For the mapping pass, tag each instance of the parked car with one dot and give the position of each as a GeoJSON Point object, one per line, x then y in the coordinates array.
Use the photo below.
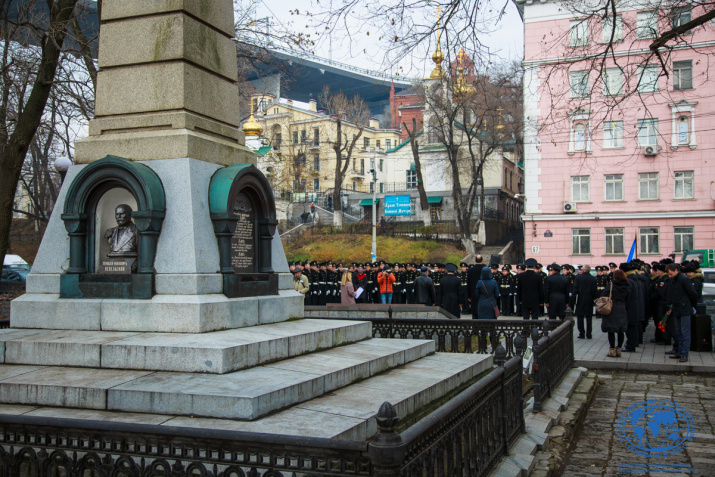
{"type": "Point", "coordinates": [708, 281]}
{"type": "Point", "coordinates": [16, 264]}
{"type": "Point", "coordinates": [11, 280]}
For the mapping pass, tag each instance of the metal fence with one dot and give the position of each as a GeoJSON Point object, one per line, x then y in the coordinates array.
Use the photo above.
{"type": "Point", "coordinates": [460, 336]}
{"type": "Point", "coordinates": [553, 357]}
{"type": "Point", "coordinates": [471, 431]}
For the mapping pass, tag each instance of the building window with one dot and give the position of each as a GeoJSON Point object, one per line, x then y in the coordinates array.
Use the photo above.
{"type": "Point", "coordinates": [382, 188]}
{"type": "Point", "coordinates": [354, 186]}
{"type": "Point", "coordinates": [275, 110]}
{"type": "Point", "coordinates": [615, 237]}
{"type": "Point", "coordinates": [366, 142]}
{"type": "Point", "coordinates": [581, 241]}
{"type": "Point", "coordinates": [277, 139]}
{"type": "Point", "coordinates": [647, 132]}
{"type": "Point", "coordinates": [608, 27]}
{"type": "Point", "coordinates": [579, 137]}
{"type": "Point", "coordinates": [435, 212]}
{"type": "Point", "coordinates": [316, 137]}
{"type": "Point", "coordinates": [683, 135]}
{"type": "Point", "coordinates": [388, 144]}
{"type": "Point", "coordinates": [683, 74]}
{"type": "Point", "coordinates": [411, 179]}
{"type": "Point", "coordinates": [578, 81]}
{"type": "Point", "coordinates": [648, 186]}
{"type": "Point", "coordinates": [648, 79]}
{"type": "Point", "coordinates": [684, 185]}
{"type": "Point", "coordinates": [649, 243]}
{"type": "Point", "coordinates": [612, 82]}
{"type": "Point", "coordinates": [681, 16]}
{"type": "Point", "coordinates": [682, 239]}
{"type": "Point", "coordinates": [298, 185]}
{"type": "Point", "coordinates": [646, 25]}
{"type": "Point", "coordinates": [580, 188]}
{"type": "Point", "coordinates": [377, 144]}
{"type": "Point", "coordinates": [614, 186]}
{"type": "Point", "coordinates": [316, 184]}
{"type": "Point", "coordinates": [381, 164]}
{"type": "Point", "coordinates": [295, 137]}
{"type": "Point", "coordinates": [303, 137]}
{"type": "Point", "coordinates": [362, 167]}
{"type": "Point", "coordinates": [372, 186]}
{"type": "Point", "coordinates": [316, 162]}
{"type": "Point", "coordinates": [578, 32]}
{"type": "Point", "coordinates": [262, 105]}
{"type": "Point", "coordinates": [613, 134]}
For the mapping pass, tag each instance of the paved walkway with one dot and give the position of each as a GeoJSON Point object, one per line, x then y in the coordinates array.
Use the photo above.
{"type": "Point", "coordinates": [598, 450]}
{"type": "Point", "coordinates": [592, 353]}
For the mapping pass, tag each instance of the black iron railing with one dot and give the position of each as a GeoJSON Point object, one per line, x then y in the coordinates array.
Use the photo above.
{"type": "Point", "coordinates": [553, 357]}
{"type": "Point", "coordinates": [458, 336]}
{"type": "Point", "coordinates": [472, 431]}
{"type": "Point", "coordinates": [466, 436]}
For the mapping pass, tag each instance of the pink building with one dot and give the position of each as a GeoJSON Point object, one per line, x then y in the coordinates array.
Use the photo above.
{"type": "Point", "coordinates": [614, 149]}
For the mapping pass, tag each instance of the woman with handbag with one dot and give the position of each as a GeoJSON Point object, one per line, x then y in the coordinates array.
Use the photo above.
{"type": "Point", "coordinates": [487, 295]}
{"type": "Point", "coordinates": [616, 322]}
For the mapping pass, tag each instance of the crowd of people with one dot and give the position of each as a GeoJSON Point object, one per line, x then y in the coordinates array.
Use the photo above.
{"type": "Point", "coordinates": [664, 292]}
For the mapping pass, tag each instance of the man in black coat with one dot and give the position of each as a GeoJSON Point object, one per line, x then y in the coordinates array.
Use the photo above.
{"type": "Point", "coordinates": [582, 295]}
{"type": "Point", "coordinates": [530, 292]}
{"type": "Point", "coordinates": [680, 300]}
{"type": "Point", "coordinates": [424, 289]}
{"type": "Point", "coordinates": [449, 284]}
{"type": "Point", "coordinates": [474, 274]}
{"type": "Point", "coordinates": [556, 292]}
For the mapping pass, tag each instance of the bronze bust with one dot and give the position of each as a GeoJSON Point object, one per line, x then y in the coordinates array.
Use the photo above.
{"type": "Point", "coordinates": [122, 238]}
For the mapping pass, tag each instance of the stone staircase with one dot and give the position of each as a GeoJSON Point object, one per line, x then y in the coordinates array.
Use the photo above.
{"type": "Point", "coordinates": [262, 375]}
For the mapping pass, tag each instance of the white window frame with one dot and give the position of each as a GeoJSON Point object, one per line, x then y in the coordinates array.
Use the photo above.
{"type": "Point", "coordinates": [579, 137]}
{"type": "Point", "coordinates": [648, 79]}
{"type": "Point", "coordinates": [579, 84]}
{"type": "Point", "coordinates": [646, 24]}
{"type": "Point", "coordinates": [607, 29]}
{"type": "Point", "coordinates": [614, 235]}
{"type": "Point", "coordinates": [681, 16]}
{"type": "Point", "coordinates": [683, 180]}
{"type": "Point", "coordinates": [613, 135]}
{"type": "Point", "coordinates": [578, 247]}
{"type": "Point", "coordinates": [579, 184]}
{"type": "Point", "coordinates": [578, 33]}
{"type": "Point", "coordinates": [679, 233]}
{"type": "Point", "coordinates": [649, 240]}
{"type": "Point", "coordinates": [647, 132]}
{"type": "Point", "coordinates": [411, 179]}
{"type": "Point", "coordinates": [612, 82]}
{"type": "Point", "coordinates": [615, 181]}
{"type": "Point", "coordinates": [682, 107]}
{"type": "Point", "coordinates": [652, 181]}
{"type": "Point", "coordinates": [579, 116]}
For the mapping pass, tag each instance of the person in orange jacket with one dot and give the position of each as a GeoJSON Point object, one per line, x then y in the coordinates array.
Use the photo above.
{"type": "Point", "coordinates": [386, 278]}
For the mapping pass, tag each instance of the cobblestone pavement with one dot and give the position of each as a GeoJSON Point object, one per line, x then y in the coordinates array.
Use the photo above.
{"type": "Point", "coordinates": [598, 451]}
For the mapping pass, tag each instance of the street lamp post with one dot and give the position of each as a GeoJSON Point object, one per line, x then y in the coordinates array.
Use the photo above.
{"type": "Point", "coordinates": [62, 165]}
{"type": "Point", "coordinates": [374, 214]}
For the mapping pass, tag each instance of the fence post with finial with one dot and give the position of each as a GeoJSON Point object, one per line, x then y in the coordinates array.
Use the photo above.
{"type": "Point", "coordinates": [535, 367]}
{"type": "Point", "coordinates": [519, 345]}
{"type": "Point", "coordinates": [500, 356]}
{"type": "Point", "coordinates": [387, 449]}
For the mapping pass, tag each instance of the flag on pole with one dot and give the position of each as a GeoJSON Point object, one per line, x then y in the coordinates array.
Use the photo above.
{"type": "Point", "coordinates": [632, 254]}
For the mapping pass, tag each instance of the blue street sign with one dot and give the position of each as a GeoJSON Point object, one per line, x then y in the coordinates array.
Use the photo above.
{"type": "Point", "coordinates": [397, 205]}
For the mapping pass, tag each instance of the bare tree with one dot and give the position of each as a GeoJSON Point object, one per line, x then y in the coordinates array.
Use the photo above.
{"type": "Point", "coordinates": [348, 115]}
{"type": "Point", "coordinates": [414, 144]}
{"type": "Point", "coordinates": [21, 109]}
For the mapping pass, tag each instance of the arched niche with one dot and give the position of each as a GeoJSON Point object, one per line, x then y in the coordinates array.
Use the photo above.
{"type": "Point", "coordinates": [94, 189]}
{"type": "Point", "coordinates": [243, 212]}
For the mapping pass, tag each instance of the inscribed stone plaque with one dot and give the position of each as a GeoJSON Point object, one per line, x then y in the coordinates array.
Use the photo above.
{"type": "Point", "coordinates": [121, 266]}
{"type": "Point", "coordinates": [243, 242]}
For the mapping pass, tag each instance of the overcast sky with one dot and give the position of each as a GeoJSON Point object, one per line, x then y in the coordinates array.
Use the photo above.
{"type": "Point", "coordinates": [364, 52]}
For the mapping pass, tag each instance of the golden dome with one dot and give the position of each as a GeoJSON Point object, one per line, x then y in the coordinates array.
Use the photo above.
{"type": "Point", "coordinates": [251, 127]}
{"type": "Point", "coordinates": [438, 72]}
{"type": "Point", "coordinates": [462, 88]}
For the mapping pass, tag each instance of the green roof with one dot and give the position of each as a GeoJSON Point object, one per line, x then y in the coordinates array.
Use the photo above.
{"type": "Point", "coordinates": [434, 200]}
{"type": "Point", "coordinates": [369, 202]}
{"type": "Point", "coordinates": [262, 151]}
{"type": "Point", "coordinates": [399, 146]}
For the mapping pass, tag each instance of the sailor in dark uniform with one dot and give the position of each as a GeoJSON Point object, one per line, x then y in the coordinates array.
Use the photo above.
{"type": "Point", "coordinates": [464, 289]}
{"type": "Point", "coordinates": [556, 292]}
{"type": "Point", "coordinates": [449, 284]}
{"type": "Point", "coordinates": [519, 269]}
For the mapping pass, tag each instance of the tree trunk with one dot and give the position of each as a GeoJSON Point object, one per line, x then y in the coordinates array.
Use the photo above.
{"type": "Point", "coordinates": [13, 153]}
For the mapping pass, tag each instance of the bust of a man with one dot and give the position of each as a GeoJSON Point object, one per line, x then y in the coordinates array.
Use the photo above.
{"type": "Point", "coordinates": [122, 239]}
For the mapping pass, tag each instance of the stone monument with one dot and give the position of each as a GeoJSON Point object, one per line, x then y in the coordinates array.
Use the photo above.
{"type": "Point", "coordinates": [197, 331]}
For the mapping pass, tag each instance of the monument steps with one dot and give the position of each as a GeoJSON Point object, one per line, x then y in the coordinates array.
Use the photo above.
{"type": "Point", "coordinates": [346, 413]}
{"type": "Point", "coordinates": [245, 394]}
{"type": "Point", "coordinates": [217, 352]}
